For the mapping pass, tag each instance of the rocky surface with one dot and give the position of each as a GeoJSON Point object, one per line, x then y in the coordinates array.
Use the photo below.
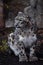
{"type": "Point", "coordinates": [16, 6]}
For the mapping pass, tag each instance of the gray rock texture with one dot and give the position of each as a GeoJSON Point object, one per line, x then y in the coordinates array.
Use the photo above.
{"type": "Point", "coordinates": [33, 9]}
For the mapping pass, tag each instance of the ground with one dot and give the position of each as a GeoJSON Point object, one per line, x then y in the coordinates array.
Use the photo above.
{"type": "Point", "coordinates": [6, 59]}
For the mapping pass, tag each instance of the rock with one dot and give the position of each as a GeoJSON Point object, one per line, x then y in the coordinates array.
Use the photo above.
{"type": "Point", "coordinates": [9, 23]}
{"type": "Point", "coordinates": [33, 3]}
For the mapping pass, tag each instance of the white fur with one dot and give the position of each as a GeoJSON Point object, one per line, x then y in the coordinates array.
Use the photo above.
{"type": "Point", "coordinates": [21, 39]}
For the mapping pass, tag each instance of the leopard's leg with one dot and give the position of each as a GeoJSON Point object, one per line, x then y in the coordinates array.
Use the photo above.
{"type": "Point", "coordinates": [32, 56]}
{"type": "Point", "coordinates": [22, 54]}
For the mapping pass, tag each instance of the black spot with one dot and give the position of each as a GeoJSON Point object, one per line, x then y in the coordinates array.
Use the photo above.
{"type": "Point", "coordinates": [21, 53]}
{"type": "Point", "coordinates": [12, 42]}
{"type": "Point", "coordinates": [20, 44]}
{"type": "Point", "coordinates": [31, 28]}
{"type": "Point", "coordinates": [33, 35]}
{"type": "Point", "coordinates": [17, 49]}
{"type": "Point", "coordinates": [12, 36]}
{"type": "Point", "coordinates": [22, 47]}
{"type": "Point", "coordinates": [9, 40]}
{"type": "Point", "coordinates": [20, 20]}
